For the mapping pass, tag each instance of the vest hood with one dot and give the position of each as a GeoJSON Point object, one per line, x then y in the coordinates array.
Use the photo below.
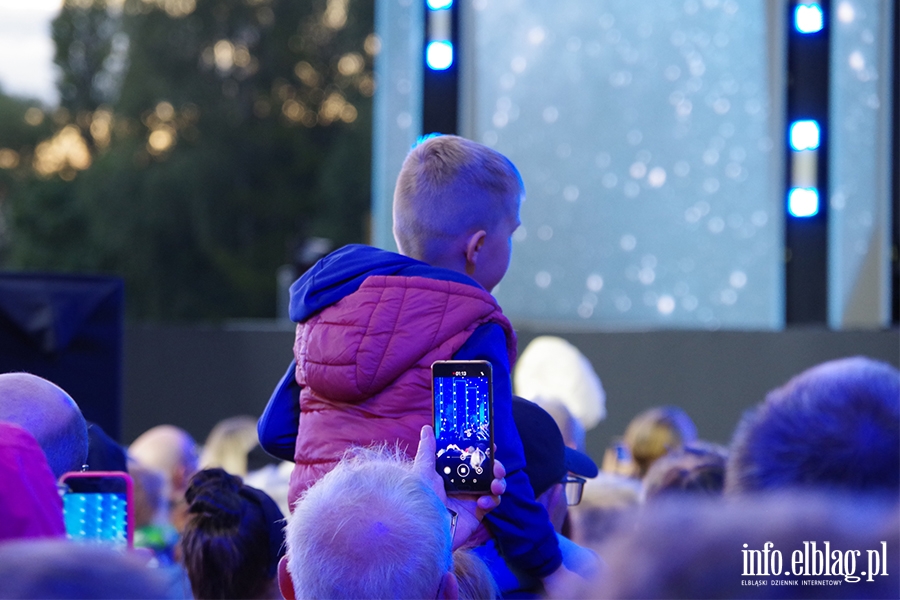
{"type": "Point", "coordinates": [343, 271]}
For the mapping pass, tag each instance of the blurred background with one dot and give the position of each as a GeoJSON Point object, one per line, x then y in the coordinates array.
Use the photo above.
{"type": "Point", "coordinates": [186, 147]}
{"type": "Point", "coordinates": [711, 185]}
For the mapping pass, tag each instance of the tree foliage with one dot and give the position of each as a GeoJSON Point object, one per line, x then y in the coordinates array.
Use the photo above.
{"type": "Point", "coordinates": [215, 135]}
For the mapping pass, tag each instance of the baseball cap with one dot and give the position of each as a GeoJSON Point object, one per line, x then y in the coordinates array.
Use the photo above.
{"type": "Point", "coordinates": [547, 458]}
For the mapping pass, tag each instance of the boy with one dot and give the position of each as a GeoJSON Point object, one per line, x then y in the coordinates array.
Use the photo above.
{"type": "Point", "coordinates": [371, 322]}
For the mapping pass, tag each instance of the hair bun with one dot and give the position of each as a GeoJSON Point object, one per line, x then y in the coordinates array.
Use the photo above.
{"type": "Point", "coordinates": [214, 496]}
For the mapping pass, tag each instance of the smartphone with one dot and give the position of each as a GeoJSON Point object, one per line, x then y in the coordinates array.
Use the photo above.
{"type": "Point", "coordinates": [464, 424]}
{"type": "Point", "coordinates": [617, 459]}
{"type": "Point", "coordinates": [98, 506]}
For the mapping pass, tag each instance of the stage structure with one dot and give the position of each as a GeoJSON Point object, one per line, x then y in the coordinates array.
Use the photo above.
{"type": "Point", "coordinates": [69, 330]}
{"type": "Point", "coordinates": [665, 149]}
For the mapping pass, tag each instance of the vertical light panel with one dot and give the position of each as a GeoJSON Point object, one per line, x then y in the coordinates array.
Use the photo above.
{"type": "Point", "coordinates": [397, 104]}
{"type": "Point", "coordinates": [809, 17]}
{"type": "Point", "coordinates": [439, 51]}
{"type": "Point", "coordinates": [860, 163]}
{"type": "Point", "coordinates": [806, 223]}
{"type": "Point", "coordinates": [803, 197]}
{"type": "Point", "coordinates": [650, 139]}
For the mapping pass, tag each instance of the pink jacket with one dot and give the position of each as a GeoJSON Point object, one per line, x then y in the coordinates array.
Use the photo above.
{"type": "Point", "coordinates": [365, 365]}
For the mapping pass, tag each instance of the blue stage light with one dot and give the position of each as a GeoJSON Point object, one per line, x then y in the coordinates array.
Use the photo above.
{"type": "Point", "coordinates": [439, 4]}
{"type": "Point", "coordinates": [805, 135]}
{"type": "Point", "coordinates": [809, 18]}
{"type": "Point", "coordinates": [803, 202]}
{"type": "Point", "coordinates": [439, 55]}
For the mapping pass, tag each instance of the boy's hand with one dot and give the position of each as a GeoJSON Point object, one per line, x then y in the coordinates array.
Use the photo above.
{"type": "Point", "coordinates": [469, 508]}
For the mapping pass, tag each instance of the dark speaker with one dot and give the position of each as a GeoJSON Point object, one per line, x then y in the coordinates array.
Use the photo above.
{"type": "Point", "coordinates": [67, 329]}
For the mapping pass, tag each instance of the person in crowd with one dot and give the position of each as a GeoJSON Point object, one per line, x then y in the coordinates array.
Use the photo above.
{"type": "Point", "coordinates": [836, 425]}
{"type": "Point", "coordinates": [650, 435]}
{"type": "Point", "coordinates": [152, 529]}
{"type": "Point", "coordinates": [572, 430]}
{"type": "Point", "coordinates": [50, 415]}
{"type": "Point", "coordinates": [557, 474]}
{"type": "Point", "coordinates": [556, 375]}
{"type": "Point", "coordinates": [233, 445]}
{"type": "Point", "coordinates": [61, 570]}
{"type": "Point", "coordinates": [371, 323]}
{"type": "Point", "coordinates": [474, 579]}
{"type": "Point", "coordinates": [380, 526]}
{"type": "Point", "coordinates": [171, 451]}
{"type": "Point", "coordinates": [153, 533]}
{"type": "Point", "coordinates": [607, 501]}
{"type": "Point", "coordinates": [30, 506]}
{"type": "Point", "coordinates": [162, 460]}
{"type": "Point", "coordinates": [273, 478]}
{"type": "Point", "coordinates": [795, 545]}
{"type": "Point", "coordinates": [228, 445]}
{"type": "Point", "coordinates": [233, 539]}
{"type": "Point", "coordinates": [104, 453]}
{"type": "Point", "coordinates": [698, 468]}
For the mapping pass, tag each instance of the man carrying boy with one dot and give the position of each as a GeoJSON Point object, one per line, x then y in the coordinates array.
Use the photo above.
{"type": "Point", "coordinates": [371, 323]}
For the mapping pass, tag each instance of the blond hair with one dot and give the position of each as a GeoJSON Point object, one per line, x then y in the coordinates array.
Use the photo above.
{"type": "Point", "coordinates": [473, 577]}
{"type": "Point", "coordinates": [228, 444]}
{"type": "Point", "coordinates": [450, 187]}
{"type": "Point", "coordinates": [656, 432]}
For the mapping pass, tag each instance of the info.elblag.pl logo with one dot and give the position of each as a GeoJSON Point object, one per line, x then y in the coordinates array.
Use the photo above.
{"type": "Point", "coordinates": [813, 561]}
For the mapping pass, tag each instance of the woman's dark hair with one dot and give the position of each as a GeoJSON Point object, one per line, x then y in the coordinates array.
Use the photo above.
{"type": "Point", "coordinates": [233, 538]}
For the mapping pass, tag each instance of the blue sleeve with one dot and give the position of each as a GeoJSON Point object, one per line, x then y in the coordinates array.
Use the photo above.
{"type": "Point", "coordinates": [520, 524]}
{"type": "Point", "coordinates": [277, 427]}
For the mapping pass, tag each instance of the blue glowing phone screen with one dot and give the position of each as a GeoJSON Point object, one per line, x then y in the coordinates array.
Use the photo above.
{"type": "Point", "coordinates": [462, 425]}
{"type": "Point", "coordinates": [96, 517]}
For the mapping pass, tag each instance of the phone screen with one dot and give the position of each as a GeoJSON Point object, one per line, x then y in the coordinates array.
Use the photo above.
{"type": "Point", "coordinates": [463, 424]}
{"type": "Point", "coordinates": [97, 507]}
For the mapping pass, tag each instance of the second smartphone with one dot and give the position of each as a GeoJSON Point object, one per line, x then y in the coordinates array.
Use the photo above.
{"type": "Point", "coordinates": [464, 424]}
{"type": "Point", "coordinates": [98, 506]}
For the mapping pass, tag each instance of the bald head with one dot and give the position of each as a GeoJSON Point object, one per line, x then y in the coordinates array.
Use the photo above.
{"type": "Point", "coordinates": [47, 412]}
{"type": "Point", "coordinates": [172, 452]}
{"type": "Point", "coordinates": [169, 450]}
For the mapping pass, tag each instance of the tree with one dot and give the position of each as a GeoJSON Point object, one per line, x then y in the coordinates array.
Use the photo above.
{"type": "Point", "coordinates": [220, 134]}
{"type": "Point", "coordinates": [23, 125]}
{"type": "Point", "coordinates": [84, 33]}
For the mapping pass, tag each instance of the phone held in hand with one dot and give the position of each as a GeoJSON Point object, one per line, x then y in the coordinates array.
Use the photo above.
{"type": "Point", "coordinates": [98, 506]}
{"type": "Point", "coordinates": [464, 424]}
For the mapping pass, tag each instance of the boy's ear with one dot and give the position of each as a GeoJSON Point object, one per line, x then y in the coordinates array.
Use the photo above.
{"type": "Point", "coordinates": [473, 247]}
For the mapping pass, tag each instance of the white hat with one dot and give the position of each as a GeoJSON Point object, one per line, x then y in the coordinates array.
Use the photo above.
{"type": "Point", "coordinates": [553, 369]}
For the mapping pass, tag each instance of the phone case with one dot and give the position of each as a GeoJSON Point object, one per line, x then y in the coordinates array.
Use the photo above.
{"type": "Point", "coordinates": [99, 506]}
{"type": "Point", "coordinates": [464, 424]}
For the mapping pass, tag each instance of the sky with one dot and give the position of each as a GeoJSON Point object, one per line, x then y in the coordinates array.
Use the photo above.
{"type": "Point", "coordinates": [26, 49]}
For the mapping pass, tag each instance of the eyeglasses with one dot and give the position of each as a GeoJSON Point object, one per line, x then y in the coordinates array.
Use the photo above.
{"type": "Point", "coordinates": [454, 518]}
{"type": "Point", "coordinates": [574, 487]}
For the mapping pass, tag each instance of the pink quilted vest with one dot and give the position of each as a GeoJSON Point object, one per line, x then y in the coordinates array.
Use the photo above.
{"type": "Point", "coordinates": [365, 365]}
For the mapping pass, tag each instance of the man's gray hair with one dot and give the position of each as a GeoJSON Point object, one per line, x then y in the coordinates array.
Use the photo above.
{"type": "Point", "coordinates": [371, 528]}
